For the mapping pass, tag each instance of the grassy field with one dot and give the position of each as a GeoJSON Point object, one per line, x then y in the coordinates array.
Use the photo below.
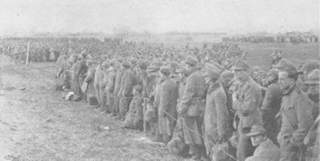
{"type": "Point", "coordinates": [259, 54]}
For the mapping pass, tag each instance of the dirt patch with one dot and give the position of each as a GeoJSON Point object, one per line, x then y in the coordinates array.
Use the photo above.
{"type": "Point", "coordinates": [37, 124]}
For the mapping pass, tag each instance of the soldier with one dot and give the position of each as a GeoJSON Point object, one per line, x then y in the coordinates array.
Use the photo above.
{"type": "Point", "coordinates": [134, 117]}
{"type": "Point", "coordinates": [90, 91]}
{"type": "Point", "coordinates": [306, 68]}
{"type": "Point", "coordinates": [110, 84]}
{"type": "Point", "coordinates": [128, 81]}
{"type": "Point", "coordinates": [119, 72]}
{"type": "Point", "coordinates": [312, 139]}
{"type": "Point", "coordinates": [246, 101]}
{"type": "Point", "coordinates": [296, 115]}
{"type": "Point", "coordinates": [79, 68]}
{"type": "Point", "coordinates": [99, 84]}
{"type": "Point", "coordinates": [150, 116]}
{"type": "Point", "coordinates": [265, 150]}
{"type": "Point", "coordinates": [271, 106]}
{"type": "Point", "coordinates": [177, 144]}
{"type": "Point", "coordinates": [312, 83]}
{"type": "Point", "coordinates": [191, 108]}
{"type": "Point", "coordinates": [167, 113]}
{"type": "Point", "coordinates": [218, 117]}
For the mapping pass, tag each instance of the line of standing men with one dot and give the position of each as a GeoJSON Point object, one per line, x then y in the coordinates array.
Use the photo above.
{"type": "Point", "coordinates": [203, 111]}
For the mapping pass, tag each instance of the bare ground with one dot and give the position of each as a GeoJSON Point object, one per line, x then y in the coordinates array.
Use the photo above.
{"type": "Point", "coordinates": [37, 124]}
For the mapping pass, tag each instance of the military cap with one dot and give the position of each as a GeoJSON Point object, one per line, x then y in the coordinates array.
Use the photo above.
{"type": "Point", "coordinates": [273, 73]}
{"type": "Point", "coordinates": [105, 64]}
{"type": "Point", "coordinates": [191, 61]}
{"type": "Point", "coordinates": [282, 63]}
{"type": "Point", "coordinates": [313, 77]}
{"type": "Point", "coordinates": [143, 65]}
{"type": "Point", "coordinates": [126, 64]}
{"type": "Point", "coordinates": [153, 68]}
{"type": "Point", "coordinates": [165, 70]}
{"type": "Point", "coordinates": [310, 66]}
{"type": "Point", "coordinates": [226, 74]}
{"type": "Point", "coordinates": [182, 70]}
{"type": "Point", "coordinates": [212, 74]}
{"type": "Point", "coordinates": [241, 65]}
{"type": "Point", "coordinates": [138, 88]}
{"type": "Point", "coordinates": [90, 61]}
{"type": "Point", "coordinates": [289, 68]}
{"type": "Point", "coordinates": [256, 130]}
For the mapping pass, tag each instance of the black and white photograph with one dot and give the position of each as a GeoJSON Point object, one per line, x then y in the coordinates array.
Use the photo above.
{"type": "Point", "coordinates": [159, 80]}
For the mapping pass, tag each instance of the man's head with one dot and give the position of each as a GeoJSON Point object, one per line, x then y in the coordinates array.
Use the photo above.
{"type": "Point", "coordinates": [308, 67]}
{"type": "Point", "coordinates": [288, 76]}
{"type": "Point", "coordinates": [241, 71]}
{"type": "Point", "coordinates": [165, 71]}
{"type": "Point", "coordinates": [257, 135]}
{"type": "Point", "coordinates": [226, 79]}
{"type": "Point", "coordinates": [191, 63]}
{"type": "Point", "coordinates": [312, 81]}
{"type": "Point", "coordinates": [272, 76]}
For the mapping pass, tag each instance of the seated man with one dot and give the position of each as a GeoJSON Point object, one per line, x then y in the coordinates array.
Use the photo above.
{"type": "Point", "coordinates": [266, 150]}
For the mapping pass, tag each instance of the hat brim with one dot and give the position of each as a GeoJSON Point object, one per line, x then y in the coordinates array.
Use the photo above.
{"type": "Point", "coordinates": [254, 134]}
{"type": "Point", "coordinates": [311, 82]}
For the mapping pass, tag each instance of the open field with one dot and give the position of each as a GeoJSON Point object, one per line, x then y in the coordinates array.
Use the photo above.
{"type": "Point", "coordinates": [36, 124]}
{"type": "Point", "coordinates": [259, 54]}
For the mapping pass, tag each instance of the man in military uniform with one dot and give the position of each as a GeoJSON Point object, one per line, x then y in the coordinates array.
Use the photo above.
{"type": "Point", "coordinates": [246, 101]}
{"type": "Point", "coordinates": [271, 106]}
{"type": "Point", "coordinates": [191, 108]}
{"type": "Point", "coordinates": [312, 140]}
{"type": "Point", "coordinates": [119, 72]}
{"type": "Point", "coordinates": [128, 81]}
{"type": "Point", "coordinates": [296, 115]}
{"type": "Point", "coordinates": [79, 68]}
{"type": "Point", "coordinates": [265, 150]}
{"type": "Point", "coordinates": [218, 116]}
{"type": "Point", "coordinates": [167, 113]}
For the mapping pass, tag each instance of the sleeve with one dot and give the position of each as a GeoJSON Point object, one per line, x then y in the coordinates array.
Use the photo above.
{"type": "Point", "coordinates": [188, 94]}
{"type": "Point", "coordinates": [130, 81]}
{"type": "Point", "coordinates": [266, 106]}
{"type": "Point", "coordinates": [90, 76]}
{"type": "Point", "coordinates": [222, 115]}
{"type": "Point", "coordinates": [305, 120]}
{"type": "Point", "coordinates": [267, 101]}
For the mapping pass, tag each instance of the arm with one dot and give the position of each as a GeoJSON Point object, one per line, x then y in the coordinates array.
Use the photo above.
{"type": "Point", "coordinates": [223, 116]}
{"type": "Point", "coordinates": [305, 120]}
{"type": "Point", "coordinates": [188, 94]}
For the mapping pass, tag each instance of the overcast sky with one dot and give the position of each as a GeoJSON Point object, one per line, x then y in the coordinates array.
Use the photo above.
{"type": "Point", "coordinates": [237, 16]}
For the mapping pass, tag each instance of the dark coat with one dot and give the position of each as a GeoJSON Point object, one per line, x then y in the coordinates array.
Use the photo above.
{"type": "Point", "coordinates": [270, 107]}
{"type": "Point", "coordinates": [167, 114]}
{"type": "Point", "coordinates": [296, 118]}
{"type": "Point", "coordinates": [217, 118]}
{"type": "Point", "coordinates": [191, 108]}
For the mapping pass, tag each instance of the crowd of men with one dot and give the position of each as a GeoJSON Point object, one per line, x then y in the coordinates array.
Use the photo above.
{"type": "Point", "coordinates": [207, 104]}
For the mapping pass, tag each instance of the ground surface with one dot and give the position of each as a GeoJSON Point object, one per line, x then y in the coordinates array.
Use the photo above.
{"type": "Point", "coordinates": [37, 124]}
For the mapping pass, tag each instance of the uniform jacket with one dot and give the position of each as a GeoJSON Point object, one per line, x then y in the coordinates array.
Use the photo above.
{"type": "Point", "coordinates": [217, 118]}
{"type": "Point", "coordinates": [247, 101]}
{"type": "Point", "coordinates": [168, 95]}
{"type": "Point", "coordinates": [128, 81]}
{"type": "Point", "coordinates": [296, 117]}
{"type": "Point", "coordinates": [192, 103]}
{"type": "Point", "coordinates": [110, 84]}
{"type": "Point", "coordinates": [90, 79]}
